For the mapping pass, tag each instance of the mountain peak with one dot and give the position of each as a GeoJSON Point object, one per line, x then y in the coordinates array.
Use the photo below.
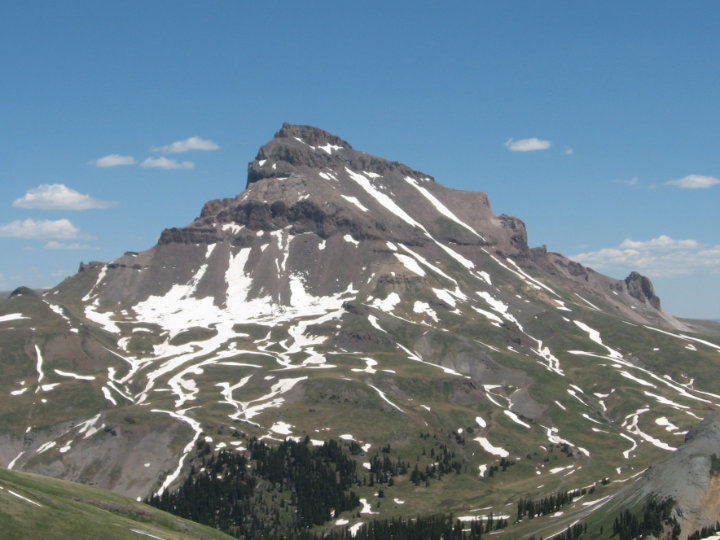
{"type": "Point", "coordinates": [296, 148]}
{"type": "Point", "coordinates": [311, 135]}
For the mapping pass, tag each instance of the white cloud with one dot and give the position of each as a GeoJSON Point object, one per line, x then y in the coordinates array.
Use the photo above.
{"type": "Point", "coordinates": [630, 182]}
{"type": "Point", "coordinates": [569, 151]}
{"type": "Point", "coordinates": [658, 257]}
{"type": "Point", "coordinates": [29, 228]}
{"type": "Point", "coordinates": [165, 163]}
{"type": "Point", "coordinates": [58, 197]}
{"type": "Point", "coordinates": [113, 160]}
{"type": "Point", "coordinates": [191, 143]}
{"type": "Point", "coordinates": [54, 244]}
{"type": "Point", "coordinates": [527, 145]}
{"type": "Point", "coordinates": [661, 243]}
{"type": "Point", "coordinates": [694, 181]}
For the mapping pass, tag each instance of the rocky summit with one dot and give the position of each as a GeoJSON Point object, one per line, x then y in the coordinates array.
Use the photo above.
{"type": "Point", "coordinates": [349, 298]}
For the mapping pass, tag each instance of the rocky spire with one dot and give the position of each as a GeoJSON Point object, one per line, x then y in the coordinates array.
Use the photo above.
{"type": "Point", "coordinates": [641, 287]}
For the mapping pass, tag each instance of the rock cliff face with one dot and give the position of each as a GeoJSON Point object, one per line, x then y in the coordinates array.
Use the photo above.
{"type": "Point", "coordinates": [306, 180]}
{"type": "Point", "coordinates": [690, 476]}
{"type": "Point", "coordinates": [297, 147]}
{"type": "Point", "coordinates": [641, 287]}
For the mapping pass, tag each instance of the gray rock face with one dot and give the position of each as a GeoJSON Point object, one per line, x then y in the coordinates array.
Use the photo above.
{"type": "Point", "coordinates": [686, 477]}
{"type": "Point", "coordinates": [306, 181]}
{"type": "Point", "coordinates": [309, 147]}
{"type": "Point", "coordinates": [189, 235]}
{"type": "Point", "coordinates": [641, 287]}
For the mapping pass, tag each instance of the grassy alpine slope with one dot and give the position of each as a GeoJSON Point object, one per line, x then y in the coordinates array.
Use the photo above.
{"type": "Point", "coordinates": [34, 506]}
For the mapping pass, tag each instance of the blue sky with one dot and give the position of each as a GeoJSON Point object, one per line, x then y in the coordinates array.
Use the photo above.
{"type": "Point", "coordinates": [594, 122]}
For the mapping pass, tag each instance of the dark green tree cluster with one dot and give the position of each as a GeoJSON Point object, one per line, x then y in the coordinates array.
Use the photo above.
{"type": "Point", "coordinates": [302, 485]}
{"type": "Point", "coordinates": [218, 494]}
{"type": "Point", "coordinates": [445, 462]}
{"type": "Point", "coordinates": [502, 466]}
{"type": "Point", "coordinates": [434, 527]}
{"type": "Point", "coordinates": [653, 519]}
{"type": "Point", "coordinates": [318, 477]}
{"type": "Point", "coordinates": [492, 524]}
{"type": "Point", "coordinates": [572, 533]}
{"type": "Point", "coordinates": [383, 469]}
{"type": "Point", "coordinates": [546, 505]}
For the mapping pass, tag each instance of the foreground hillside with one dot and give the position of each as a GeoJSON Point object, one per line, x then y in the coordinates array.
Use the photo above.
{"type": "Point", "coordinates": [345, 297]}
{"type": "Point", "coordinates": [33, 506]}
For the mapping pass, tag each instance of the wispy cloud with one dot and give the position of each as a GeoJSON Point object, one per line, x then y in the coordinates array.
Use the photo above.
{"type": "Point", "coordinates": [629, 182]}
{"type": "Point", "coordinates": [527, 145]}
{"type": "Point", "coordinates": [165, 163]}
{"type": "Point", "coordinates": [661, 243]}
{"type": "Point", "coordinates": [54, 244]}
{"type": "Point", "coordinates": [41, 229]}
{"type": "Point", "coordinates": [659, 257]}
{"type": "Point", "coordinates": [568, 151]}
{"type": "Point", "coordinates": [191, 143]}
{"type": "Point", "coordinates": [113, 160]}
{"type": "Point", "coordinates": [694, 181]}
{"type": "Point", "coordinates": [58, 197]}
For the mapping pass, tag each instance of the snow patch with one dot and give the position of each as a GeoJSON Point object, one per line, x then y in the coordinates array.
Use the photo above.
{"type": "Point", "coordinates": [329, 148]}
{"type": "Point", "coordinates": [354, 201]}
{"type": "Point", "coordinates": [364, 182]}
{"type": "Point", "coordinates": [669, 426]}
{"type": "Point", "coordinates": [234, 228]}
{"type": "Point", "coordinates": [445, 296]}
{"type": "Point", "coordinates": [195, 425]}
{"type": "Point", "coordinates": [594, 335]}
{"type": "Point", "coordinates": [75, 375]}
{"type": "Point", "coordinates": [440, 207]}
{"type": "Point", "coordinates": [282, 428]}
{"type": "Point", "coordinates": [424, 307]}
{"type": "Point", "coordinates": [366, 508]}
{"type": "Point", "coordinates": [374, 323]}
{"type": "Point", "coordinates": [369, 363]}
{"type": "Point", "coordinates": [11, 492]}
{"type": "Point", "coordinates": [410, 263]}
{"type": "Point", "coordinates": [348, 238]}
{"type": "Point", "coordinates": [384, 398]}
{"type": "Point", "coordinates": [514, 417]}
{"type": "Point", "coordinates": [490, 448]}
{"type": "Point", "coordinates": [389, 303]}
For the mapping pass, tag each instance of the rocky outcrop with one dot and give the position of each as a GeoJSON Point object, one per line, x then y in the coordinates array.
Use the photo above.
{"type": "Point", "coordinates": [304, 216]}
{"type": "Point", "coordinates": [92, 265]}
{"type": "Point", "coordinates": [641, 288]}
{"type": "Point", "coordinates": [518, 233]}
{"type": "Point", "coordinates": [690, 477]}
{"type": "Point", "coordinates": [189, 235]}
{"type": "Point", "coordinates": [296, 147]}
{"type": "Point", "coordinates": [23, 291]}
